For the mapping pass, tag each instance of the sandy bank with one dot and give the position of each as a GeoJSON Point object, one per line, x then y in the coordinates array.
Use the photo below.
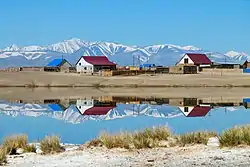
{"type": "Point", "coordinates": [43, 79]}
{"type": "Point", "coordinates": [70, 93]}
{"type": "Point", "coordinates": [198, 155]}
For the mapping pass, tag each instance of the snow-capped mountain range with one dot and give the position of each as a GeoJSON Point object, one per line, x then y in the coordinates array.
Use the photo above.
{"type": "Point", "coordinates": [72, 49]}
{"type": "Point", "coordinates": [72, 115]}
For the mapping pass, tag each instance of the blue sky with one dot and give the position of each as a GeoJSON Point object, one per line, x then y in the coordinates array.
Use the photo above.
{"type": "Point", "coordinates": [218, 25]}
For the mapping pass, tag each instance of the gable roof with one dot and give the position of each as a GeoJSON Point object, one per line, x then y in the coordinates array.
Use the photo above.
{"type": "Point", "coordinates": [56, 62]}
{"type": "Point", "coordinates": [199, 111]}
{"type": "Point", "coordinates": [98, 110]}
{"type": "Point", "coordinates": [97, 60]}
{"type": "Point", "coordinates": [198, 58]}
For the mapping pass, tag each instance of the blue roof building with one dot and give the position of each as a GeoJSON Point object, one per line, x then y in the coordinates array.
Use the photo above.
{"type": "Point", "coordinates": [58, 63]}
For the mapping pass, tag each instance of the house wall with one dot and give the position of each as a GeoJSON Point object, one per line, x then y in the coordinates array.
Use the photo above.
{"type": "Point", "coordinates": [83, 105]}
{"type": "Point", "coordinates": [185, 57]}
{"type": "Point", "coordinates": [84, 67]}
{"type": "Point", "coordinates": [189, 109]}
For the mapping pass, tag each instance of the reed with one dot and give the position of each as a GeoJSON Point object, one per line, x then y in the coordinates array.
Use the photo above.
{"type": "Point", "coordinates": [51, 145]}
{"type": "Point", "coordinates": [194, 138]}
{"type": "Point", "coordinates": [235, 136]}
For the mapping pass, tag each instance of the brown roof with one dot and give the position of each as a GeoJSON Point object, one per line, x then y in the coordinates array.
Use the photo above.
{"type": "Point", "coordinates": [98, 110]}
{"type": "Point", "coordinates": [199, 111]}
{"type": "Point", "coordinates": [98, 60]}
{"type": "Point", "coordinates": [199, 58]}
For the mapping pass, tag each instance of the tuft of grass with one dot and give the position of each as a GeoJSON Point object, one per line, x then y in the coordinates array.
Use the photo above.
{"type": "Point", "coordinates": [30, 148]}
{"type": "Point", "coordinates": [195, 138]}
{"type": "Point", "coordinates": [3, 156]}
{"type": "Point", "coordinates": [235, 136]}
{"type": "Point", "coordinates": [51, 145]}
{"type": "Point", "coordinates": [144, 139]}
{"type": "Point", "coordinates": [12, 143]}
{"type": "Point", "coordinates": [122, 140]}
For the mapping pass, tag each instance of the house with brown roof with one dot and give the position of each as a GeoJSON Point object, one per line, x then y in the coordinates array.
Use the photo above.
{"type": "Point", "coordinates": [195, 111]}
{"type": "Point", "coordinates": [92, 64]}
{"type": "Point", "coordinates": [94, 107]}
{"type": "Point", "coordinates": [197, 59]}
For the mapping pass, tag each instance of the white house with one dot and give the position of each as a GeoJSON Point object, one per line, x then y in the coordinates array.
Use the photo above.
{"type": "Point", "coordinates": [195, 59]}
{"type": "Point", "coordinates": [195, 111]}
{"type": "Point", "coordinates": [91, 64]}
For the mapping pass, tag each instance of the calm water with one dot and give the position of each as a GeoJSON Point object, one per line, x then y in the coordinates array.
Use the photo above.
{"type": "Point", "coordinates": [79, 120]}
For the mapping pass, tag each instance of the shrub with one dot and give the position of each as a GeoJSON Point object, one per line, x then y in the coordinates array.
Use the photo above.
{"type": "Point", "coordinates": [51, 144]}
{"type": "Point", "coordinates": [122, 140]}
{"type": "Point", "coordinates": [12, 143]}
{"type": "Point", "coordinates": [144, 139]}
{"type": "Point", "coordinates": [30, 148]}
{"type": "Point", "coordinates": [195, 138]}
{"type": "Point", "coordinates": [235, 136]}
{"type": "Point", "coordinates": [3, 157]}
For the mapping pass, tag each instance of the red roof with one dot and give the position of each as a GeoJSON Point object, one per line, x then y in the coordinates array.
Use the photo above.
{"type": "Point", "coordinates": [199, 111]}
{"type": "Point", "coordinates": [199, 58]}
{"type": "Point", "coordinates": [98, 110]}
{"type": "Point", "coordinates": [98, 60]}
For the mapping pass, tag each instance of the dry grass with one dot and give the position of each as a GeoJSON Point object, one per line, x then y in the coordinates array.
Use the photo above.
{"type": "Point", "coordinates": [12, 143]}
{"type": "Point", "coordinates": [235, 136]}
{"type": "Point", "coordinates": [122, 140]}
{"type": "Point", "coordinates": [195, 138]}
{"type": "Point", "coordinates": [30, 148]}
{"type": "Point", "coordinates": [3, 156]}
{"type": "Point", "coordinates": [51, 144]}
{"type": "Point", "coordinates": [144, 139]}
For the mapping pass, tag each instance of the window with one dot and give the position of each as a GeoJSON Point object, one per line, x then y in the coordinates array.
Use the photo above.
{"type": "Point", "coordinates": [85, 68]}
{"type": "Point", "coordinates": [80, 64]}
{"type": "Point", "coordinates": [186, 61]}
{"type": "Point", "coordinates": [80, 107]}
{"type": "Point", "coordinates": [185, 109]}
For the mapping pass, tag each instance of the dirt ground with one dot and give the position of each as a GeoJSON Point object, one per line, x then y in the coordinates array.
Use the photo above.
{"type": "Point", "coordinates": [160, 80]}
{"type": "Point", "coordinates": [190, 156]}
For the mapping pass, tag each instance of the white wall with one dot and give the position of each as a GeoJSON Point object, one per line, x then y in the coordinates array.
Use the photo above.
{"type": "Point", "coordinates": [84, 67]}
{"type": "Point", "coordinates": [83, 105]}
{"type": "Point", "coordinates": [183, 110]}
{"type": "Point", "coordinates": [184, 57]}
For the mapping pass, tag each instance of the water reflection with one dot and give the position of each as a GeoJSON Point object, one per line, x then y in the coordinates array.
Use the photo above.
{"type": "Point", "coordinates": [78, 120]}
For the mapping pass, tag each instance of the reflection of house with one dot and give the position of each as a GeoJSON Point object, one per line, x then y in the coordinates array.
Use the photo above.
{"type": "Point", "coordinates": [58, 65]}
{"type": "Point", "coordinates": [91, 64]}
{"type": "Point", "coordinates": [94, 107]}
{"type": "Point", "coordinates": [200, 60]}
{"type": "Point", "coordinates": [183, 101]}
{"type": "Point", "coordinates": [246, 102]}
{"type": "Point", "coordinates": [195, 111]}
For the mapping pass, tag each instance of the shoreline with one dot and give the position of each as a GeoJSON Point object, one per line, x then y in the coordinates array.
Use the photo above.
{"type": "Point", "coordinates": [192, 155]}
{"type": "Point", "coordinates": [69, 80]}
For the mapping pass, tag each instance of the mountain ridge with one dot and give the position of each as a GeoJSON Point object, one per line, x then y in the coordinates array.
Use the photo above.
{"type": "Point", "coordinates": [72, 49]}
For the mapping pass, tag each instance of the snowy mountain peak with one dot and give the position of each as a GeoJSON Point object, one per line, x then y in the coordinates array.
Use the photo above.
{"type": "Point", "coordinates": [12, 48]}
{"type": "Point", "coordinates": [238, 55]}
{"type": "Point", "coordinates": [191, 48]}
{"type": "Point", "coordinates": [68, 46]}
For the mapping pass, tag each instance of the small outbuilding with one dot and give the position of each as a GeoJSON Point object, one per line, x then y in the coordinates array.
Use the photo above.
{"type": "Point", "coordinates": [58, 65]}
{"type": "Point", "coordinates": [183, 69]}
{"type": "Point", "coordinates": [92, 64]}
{"type": "Point", "coordinates": [197, 59]}
{"type": "Point", "coordinates": [246, 64]}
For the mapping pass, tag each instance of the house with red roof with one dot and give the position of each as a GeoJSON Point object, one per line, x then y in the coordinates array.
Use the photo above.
{"type": "Point", "coordinates": [195, 111]}
{"type": "Point", "coordinates": [197, 59]}
{"type": "Point", "coordinates": [91, 64]}
{"type": "Point", "coordinates": [94, 107]}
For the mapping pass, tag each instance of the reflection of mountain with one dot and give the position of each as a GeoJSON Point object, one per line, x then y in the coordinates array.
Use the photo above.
{"type": "Point", "coordinates": [110, 108]}
{"type": "Point", "coordinates": [72, 114]}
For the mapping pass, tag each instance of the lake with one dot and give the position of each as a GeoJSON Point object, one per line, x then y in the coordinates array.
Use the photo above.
{"type": "Point", "coordinates": [77, 120]}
